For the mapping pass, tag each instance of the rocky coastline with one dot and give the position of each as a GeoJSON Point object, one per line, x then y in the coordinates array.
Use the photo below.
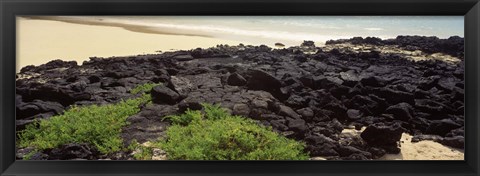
{"type": "Point", "coordinates": [410, 84]}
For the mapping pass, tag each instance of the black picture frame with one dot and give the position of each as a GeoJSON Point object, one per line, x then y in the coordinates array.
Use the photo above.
{"type": "Point", "coordinates": [11, 8]}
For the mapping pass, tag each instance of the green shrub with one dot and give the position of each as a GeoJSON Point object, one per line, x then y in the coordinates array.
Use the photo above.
{"type": "Point", "coordinates": [145, 88]}
{"type": "Point", "coordinates": [214, 112]}
{"type": "Point", "coordinates": [94, 124]}
{"type": "Point", "coordinates": [140, 152]}
{"type": "Point", "coordinates": [185, 119]}
{"type": "Point", "coordinates": [220, 136]}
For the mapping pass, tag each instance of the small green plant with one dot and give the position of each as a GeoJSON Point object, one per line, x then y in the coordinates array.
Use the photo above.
{"type": "Point", "coordinates": [94, 124]}
{"type": "Point", "coordinates": [214, 112]}
{"type": "Point", "coordinates": [140, 152]}
{"type": "Point", "coordinates": [144, 88]}
{"type": "Point", "coordinates": [217, 135]}
{"type": "Point", "coordinates": [185, 119]}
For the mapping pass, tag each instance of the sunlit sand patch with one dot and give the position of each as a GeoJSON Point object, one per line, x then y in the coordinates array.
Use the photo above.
{"type": "Point", "coordinates": [423, 150]}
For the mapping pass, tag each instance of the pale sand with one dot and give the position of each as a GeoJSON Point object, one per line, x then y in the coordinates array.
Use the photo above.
{"type": "Point", "coordinates": [423, 150]}
{"type": "Point", "coordinates": [40, 41]}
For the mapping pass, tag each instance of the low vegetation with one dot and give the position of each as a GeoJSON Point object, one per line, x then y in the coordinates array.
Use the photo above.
{"type": "Point", "coordinates": [99, 125]}
{"type": "Point", "coordinates": [217, 135]}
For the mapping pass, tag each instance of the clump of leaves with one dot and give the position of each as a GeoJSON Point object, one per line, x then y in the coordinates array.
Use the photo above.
{"type": "Point", "coordinates": [217, 135]}
{"type": "Point", "coordinates": [144, 88]}
{"type": "Point", "coordinates": [186, 118]}
{"type": "Point", "coordinates": [99, 125]}
{"type": "Point", "coordinates": [140, 152]}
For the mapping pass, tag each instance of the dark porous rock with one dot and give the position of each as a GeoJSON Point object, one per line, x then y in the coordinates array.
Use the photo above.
{"type": "Point", "coordinates": [447, 84]}
{"type": "Point", "coordinates": [422, 137]}
{"type": "Point", "coordinates": [58, 64]}
{"type": "Point", "coordinates": [391, 149]}
{"type": "Point", "coordinates": [307, 80]}
{"type": "Point", "coordinates": [394, 96]}
{"type": "Point", "coordinates": [164, 95]}
{"type": "Point", "coordinates": [456, 142]}
{"type": "Point", "coordinates": [373, 81]}
{"type": "Point", "coordinates": [320, 145]}
{"type": "Point", "coordinates": [109, 82]}
{"type": "Point", "coordinates": [287, 111]}
{"type": "Point", "coordinates": [181, 85]}
{"type": "Point", "coordinates": [322, 82]}
{"type": "Point", "coordinates": [356, 156]}
{"type": "Point", "coordinates": [369, 55]}
{"type": "Point", "coordinates": [437, 109]}
{"type": "Point", "coordinates": [354, 114]}
{"type": "Point", "coordinates": [185, 57]}
{"type": "Point", "coordinates": [401, 111]}
{"type": "Point", "coordinates": [73, 151]}
{"type": "Point", "coordinates": [236, 79]}
{"type": "Point", "coordinates": [336, 125]}
{"type": "Point", "coordinates": [442, 127]}
{"type": "Point", "coordinates": [322, 116]}
{"type": "Point", "coordinates": [318, 139]}
{"type": "Point", "coordinates": [429, 82]}
{"type": "Point", "coordinates": [350, 78]}
{"type": "Point", "coordinates": [306, 113]}
{"type": "Point", "coordinates": [339, 110]}
{"type": "Point", "coordinates": [120, 74]}
{"type": "Point", "coordinates": [326, 149]}
{"type": "Point", "coordinates": [297, 125]}
{"type": "Point", "coordinates": [377, 152]}
{"type": "Point", "coordinates": [259, 104]}
{"type": "Point", "coordinates": [295, 101]}
{"type": "Point", "coordinates": [278, 124]}
{"type": "Point", "coordinates": [300, 58]}
{"type": "Point", "coordinates": [160, 72]}
{"type": "Point", "coordinates": [258, 113]}
{"type": "Point", "coordinates": [241, 109]}
{"type": "Point", "coordinates": [94, 79]}
{"type": "Point", "coordinates": [308, 43]}
{"type": "Point", "coordinates": [25, 110]}
{"type": "Point", "coordinates": [55, 93]}
{"type": "Point", "coordinates": [184, 106]}
{"type": "Point", "coordinates": [365, 104]}
{"type": "Point", "coordinates": [349, 150]}
{"type": "Point", "coordinates": [456, 132]}
{"type": "Point", "coordinates": [149, 124]}
{"type": "Point", "coordinates": [382, 135]}
{"type": "Point", "coordinates": [340, 91]}
{"type": "Point", "coordinates": [261, 80]}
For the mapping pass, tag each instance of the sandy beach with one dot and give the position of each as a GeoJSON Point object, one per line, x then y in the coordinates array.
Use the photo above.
{"type": "Point", "coordinates": [40, 41]}
{"type": "Point", "coordinates": [423, 150]}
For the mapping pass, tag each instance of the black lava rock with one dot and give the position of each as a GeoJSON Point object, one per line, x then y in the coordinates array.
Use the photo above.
{"type": "Point", "coordinates": [164, 95]}
{"type": "Point", "coordinates": [382, 135]}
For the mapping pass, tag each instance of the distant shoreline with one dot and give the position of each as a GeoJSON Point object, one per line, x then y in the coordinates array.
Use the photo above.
{"type": "Point", "coordinates": [129, 27]}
